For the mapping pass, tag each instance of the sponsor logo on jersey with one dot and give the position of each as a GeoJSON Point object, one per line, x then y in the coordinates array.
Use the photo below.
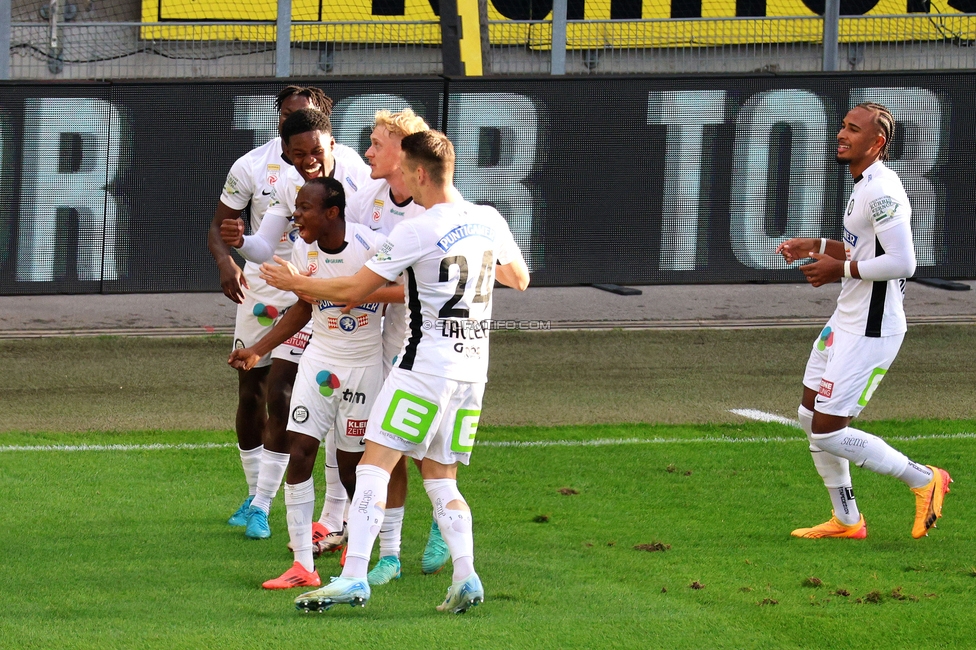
{"type": "Point", "coordinates": [291, 235]}
{"type": "Point", "coordinates": [377, 209]}
{"type": "Point", "coordinates": [327, 381]}
{"type": "Point", "coordinates": [300, 414]}
{"type": "Point", "coordinates": [383, 254]}
{"type": "Point", "coordinates": [850, 238]}
{"type": "Point", "coordinates": [469, 351]}
{"type": "Point", "coordinates": [850, 205]}
{"type": "Point", "coordinates": [313, 263]}
{"type": "Point", "coordinates": [230, 185]}
{"type": "Point", "coordinates": [333, 260]}
{"type": "Point", "coordinates": [356, 428]}
{"type": "Point", "coordinates": [353, 397]}
{"type": "Point", "coordinates": [238, 344]}
{"type": "Point", "coordinates": [826, 339]}
{"type": "Point", "coordinates": [399, 213]}
{"type": "Point", "coordinates": [464, 231]}
{"type": "Point", "coordinates": [351, 184]}
{"type": "Point", "coordinates": [266, 314]}
{"type": "Point", "coordinates": [298, 340]}
{"type": "Point", "coordinates": [883, 209]}
{"type": "Point", "coordinates": [363, 242]}
{"type": "Point", "coordinates": [826, 388]}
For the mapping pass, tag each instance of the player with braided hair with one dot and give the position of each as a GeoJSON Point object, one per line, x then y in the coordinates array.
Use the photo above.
{"type": "Point", "coordinates": [262, 390]}
{"type": "Point", "coordinates": [860, 341]}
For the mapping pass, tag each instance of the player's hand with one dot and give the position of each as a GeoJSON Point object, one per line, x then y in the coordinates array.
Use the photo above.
{"type": "Point", "coordinates": [798, 248]}
{"type": "Point", "coordinates": [824, 270]}
{"type": "Point", "coordinates": [348, 308]}
{"type": "Point", "coordinates": [304, 296]}
{"type": "Point", "coordinates": [231, 281]}
{"type": "Point", "coordinates": [232, 232]}
{"type": "Point", "coordinates": [243, 359]}
{"type": "Point", "coordinates": [281, 275]}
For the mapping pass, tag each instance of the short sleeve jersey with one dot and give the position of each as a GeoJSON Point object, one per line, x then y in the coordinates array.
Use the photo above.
{"type": "Point", "coordinates": [252, 180]}
{"type": "Point", "coordinates": [878, 202]}
{"type": "Point", "coordinates": [351, 339]}
{"type": "Point", "coordinates": [448, 255]}
{"type": "Point", "coordinates": [349, 169]}
{"type": "Point", "coordinates": [373, 206]}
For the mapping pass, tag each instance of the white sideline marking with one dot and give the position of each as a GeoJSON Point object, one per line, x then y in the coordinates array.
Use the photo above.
{"type": "Point", "coordinates": [763, 416]}
{"type": "Point", "coordinates": [600, 442]}
{"type": "Point", "coordinates": [151, 447]}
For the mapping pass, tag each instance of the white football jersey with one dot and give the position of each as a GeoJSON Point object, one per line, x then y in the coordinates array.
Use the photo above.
{"type": "Point", "coordinates": [349, 169]}
{"type": "Point", "coordinates": [351, 339]}
{"type": "Point", "coordinates": [252, 179]}
{"type": "Point", "coordinates": [448, 254]}
{"type": "Point", "coordinates": [878, 202]}
{"type": "Point", "coordinates": [373, 206]}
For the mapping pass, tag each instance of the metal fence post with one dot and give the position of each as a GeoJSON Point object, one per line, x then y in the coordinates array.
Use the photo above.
{"type": "Point", "coordinates": [831, 33]}
{"type": "Point", "coordinates": [558, 63]}
{"type": "Point", "coordinates": [5, 19]}
{"type": "Point", "coordinates": [283, 40]}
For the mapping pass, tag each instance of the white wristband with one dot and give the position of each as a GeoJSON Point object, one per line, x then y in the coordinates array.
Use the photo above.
{"type": "Point", "coordinates": [847, 269]}
{"type": "Point", "coordinates": [823, 245]}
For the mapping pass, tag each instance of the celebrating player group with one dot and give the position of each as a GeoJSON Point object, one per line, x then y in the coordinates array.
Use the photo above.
{"type": "Point", "coordinates": [342, 244]}
{"type": "Point", "coordinates": [363, 324]}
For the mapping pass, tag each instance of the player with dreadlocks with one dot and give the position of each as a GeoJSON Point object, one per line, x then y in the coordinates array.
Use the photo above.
{"type": "Point", "coordinates": [263, 391]}
{"type": "Point", "coordinates": [860, 341]}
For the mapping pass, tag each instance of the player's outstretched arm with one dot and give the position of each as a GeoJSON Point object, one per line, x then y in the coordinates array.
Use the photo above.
{"type": "Point", "coordinates": [514, 274]}
{"type": "Point", "coordinates": [345, 289]}
{"type": "Point", "coordinates": [292, 322]}
{"type": "Point", "coordinates": [231, 277]}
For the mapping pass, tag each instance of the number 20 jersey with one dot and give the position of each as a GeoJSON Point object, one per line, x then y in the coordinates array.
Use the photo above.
{"type": "Point", "coordinates": [448, 256]}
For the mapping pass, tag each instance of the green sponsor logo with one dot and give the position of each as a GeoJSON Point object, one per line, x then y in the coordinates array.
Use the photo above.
{"type": "Point", "coordinates": [409, 417]}
{"type": "Point", "coordinates": [465, 429]}
{"type": "Point", "coordinates": [873, 381]}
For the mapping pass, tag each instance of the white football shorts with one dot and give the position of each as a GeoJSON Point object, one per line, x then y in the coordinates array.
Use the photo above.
{"type": "Point", "coordinates": [326, 394]}
{"type": "Point", "coordinates": [425, 416]}
{"type": "Point", "coordinates": [255, 319]}
{"type": "Point", "coordinates": [845, 369]}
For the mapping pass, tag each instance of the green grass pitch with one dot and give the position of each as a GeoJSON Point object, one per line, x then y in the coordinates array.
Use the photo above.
{"type": "Point", "coordinates": [126, 547]}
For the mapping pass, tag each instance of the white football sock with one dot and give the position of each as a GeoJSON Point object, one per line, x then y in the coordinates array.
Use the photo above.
{"type": "Point", "coordinates": [251, 461]}
{"type": "Point", "coordinates": [273, 466]}
{"type": "Point", "coordinates": [300, 506]}
{"type": "Point", "coordinates": [455, 525]}
{"type": "Point", "coordinates": [835, 472]}
{"type": "Point", "coordinates": [390, 532]}
{"type": "Point", "coordinates": [365, 518]}
{"type": "Point", "coordinates": [869, 451]}
{"type": "Point", "coordinates": [336, 499]}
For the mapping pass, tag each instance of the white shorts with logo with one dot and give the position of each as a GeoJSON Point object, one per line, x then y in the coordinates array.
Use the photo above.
{"type": "Point", "coordinates": [326, 394]}
{"type": "Point", "coordinates": [255, 318]}
{"type": "Point", "coordinates": [845, 369]}
{"type": "Point", "coordinates": [425, 416]}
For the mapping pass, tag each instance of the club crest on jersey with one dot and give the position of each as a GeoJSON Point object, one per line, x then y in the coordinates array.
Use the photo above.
{"type": "Point", "coordinates": [313, 261]}
{"type": "Point", "coordinates": [377, 209]}
{"type": "Point", "coordinates": [463, 231]}
{"type": "Point", "coordinates": [348, 323]}
{"type": "Point", "coordinates": [274, 171]}
{"type": "Point", "coordinates": [850, 238]}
